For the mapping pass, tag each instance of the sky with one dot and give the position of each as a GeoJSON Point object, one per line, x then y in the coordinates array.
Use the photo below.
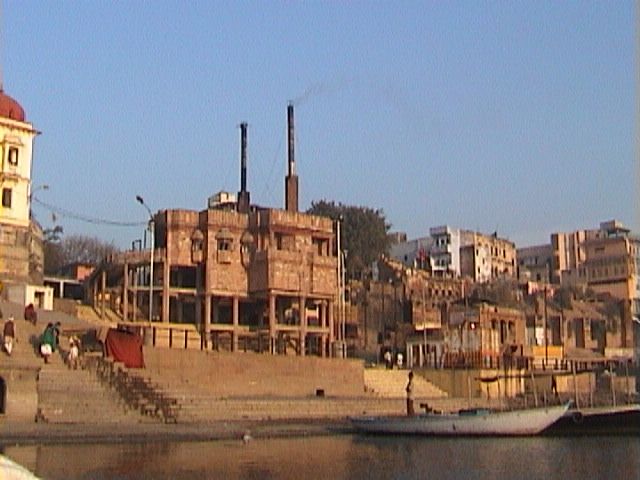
{"type": "Point", "coordinates": [511, 117]}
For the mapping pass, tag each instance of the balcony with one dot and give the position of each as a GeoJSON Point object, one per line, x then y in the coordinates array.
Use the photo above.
{"type": "Point", "coordinates": [291, 271]}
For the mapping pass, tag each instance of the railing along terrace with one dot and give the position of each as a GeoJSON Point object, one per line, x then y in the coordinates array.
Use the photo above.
{"type": "Point", "coordinates": [165, 335]}
{"type": "Point", "coordinates": [478, 360]}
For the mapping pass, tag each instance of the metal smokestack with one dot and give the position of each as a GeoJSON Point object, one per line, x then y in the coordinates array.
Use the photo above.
{"type": "Point", "coordinates": [244, 200]}
{"type": "Point", "coordinates": [291, 181]}
{"type": "Point", "coordinates": [291, 138]}
{"type": "Point", "coordinates": [243, 157]}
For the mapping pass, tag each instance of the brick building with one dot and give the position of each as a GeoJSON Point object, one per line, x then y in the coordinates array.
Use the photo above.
{"type": "Point", "coordinates": [249, 278]}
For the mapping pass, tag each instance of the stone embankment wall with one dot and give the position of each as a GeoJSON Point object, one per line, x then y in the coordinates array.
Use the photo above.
{"type": "Point", "coordinates": [252, 374]}
{"type": "Point", "coordinates": [19, 389]}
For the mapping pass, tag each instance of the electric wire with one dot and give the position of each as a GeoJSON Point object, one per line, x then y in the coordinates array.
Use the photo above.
{"type": "Point", "coordinates": [85, 218]}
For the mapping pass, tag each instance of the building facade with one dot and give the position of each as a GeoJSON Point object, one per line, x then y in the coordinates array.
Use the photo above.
{"type": "Point", "coordinates": [250, 278]}
{"type": "Point", "coordinates": [534, 263]}
{"type": "Point", "coordinates": [451, 251]}
{"type": "Point", "coordinates": [21, 257]}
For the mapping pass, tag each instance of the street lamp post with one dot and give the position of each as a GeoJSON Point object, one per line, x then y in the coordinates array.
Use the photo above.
{"type": "Point", "coordinates": [34, 190]}
{"type": "Point", "coordinates": [153, 246]}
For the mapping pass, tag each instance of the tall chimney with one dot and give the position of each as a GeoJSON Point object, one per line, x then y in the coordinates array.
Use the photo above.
{"type": "Point", "coordinates": [243, 195]}
{"type": "Point", "coordinates": [291, 181]}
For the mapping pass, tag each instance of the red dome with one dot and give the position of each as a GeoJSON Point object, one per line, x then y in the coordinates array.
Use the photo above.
{"type": "Point", "coordinates": [9, 108]}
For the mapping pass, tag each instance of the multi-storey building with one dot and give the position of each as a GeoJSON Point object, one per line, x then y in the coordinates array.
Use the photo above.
{"type": "Point", "coordinates": [444, 253]}
{"type": "Point", "coordinates": [21, 256]}
{"type": "Point", "coordinates": [568, 252]}
{"type": "Point", "coordinates": [459, 252]}
{"type": "Point", "coordinates": [412, 253]}
{"type": "Point", "coordinates": [604, 260]}
{"type": "Point", "coordinates": [249, 278]}
{"type": "Point", "coordinates": [487, 257]}
{"type": "Point", "coordinates": [534, 263]}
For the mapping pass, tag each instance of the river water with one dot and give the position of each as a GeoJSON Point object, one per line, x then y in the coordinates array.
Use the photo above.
{"type": "Point", "coordinates": [341, 457]}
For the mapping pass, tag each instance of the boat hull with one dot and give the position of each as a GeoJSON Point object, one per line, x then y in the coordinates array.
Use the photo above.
{"type": "Point", "coordinates": [474, 423]}
{"type": "Point", "coordinates": [620, 420]}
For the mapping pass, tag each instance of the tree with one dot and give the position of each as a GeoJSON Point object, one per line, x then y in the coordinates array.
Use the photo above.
{"type": "Point", "coordinates": [364, 233]}
{"type": "Point", "coordinates": [51, 250]}
{"type": "Point", "coordinates": [61, 251]}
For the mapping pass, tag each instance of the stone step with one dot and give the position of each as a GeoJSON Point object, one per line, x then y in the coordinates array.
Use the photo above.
{"type": "Point", "coordinates": [91, 401]}
{"type": "Point", "coordinates": [57, 414]}
{"type": "Point", "coordinates": [392, 383]}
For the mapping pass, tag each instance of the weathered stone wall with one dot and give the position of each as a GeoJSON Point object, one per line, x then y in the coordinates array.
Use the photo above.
{"type": "Point", "coordinates": [249, 374]}
{"type": "Point", "coordinates": [14, 253]}
{"type": "Point", "coordinates": [21, 392]}
{"type": "Point", "coordinates": [65, 305]}
{"type": "Point", "coordinates": [180, 225]}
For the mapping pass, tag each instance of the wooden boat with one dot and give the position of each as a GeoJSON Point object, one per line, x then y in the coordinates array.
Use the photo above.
{"type": "Point", "coordinates": [472, 422]}
{"type": "Point", "coordinates": [611, 420]}
{"type": "Point", "coordinates": [10, 470]}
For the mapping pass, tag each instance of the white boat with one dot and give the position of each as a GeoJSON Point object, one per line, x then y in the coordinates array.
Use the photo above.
{"type": "Point", "coordinates": [472, 422]}
{"type": "Point", "coordinates": [10, 470]}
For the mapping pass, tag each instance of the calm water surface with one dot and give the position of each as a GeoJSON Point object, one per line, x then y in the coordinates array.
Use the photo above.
{"type": "Point", "coordinates": [343, 457]}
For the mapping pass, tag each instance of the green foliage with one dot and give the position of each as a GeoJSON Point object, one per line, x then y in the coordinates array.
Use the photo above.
{"type": "Point", "coordinates": [364, 234]}
{"type": "Point", "coordinates": [563, 297]}
{"type": "Point", "coordinates": [51, 250]}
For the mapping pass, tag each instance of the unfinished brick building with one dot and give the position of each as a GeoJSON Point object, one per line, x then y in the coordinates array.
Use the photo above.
{"type": "Point", "coordinates": [248, 278]}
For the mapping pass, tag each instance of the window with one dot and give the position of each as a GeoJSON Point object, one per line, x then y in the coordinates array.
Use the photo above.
{"type": "Point", "coordinates": [6, 197]}
{"type": "Point", "coordinates": [224, 245]}
{"type": "Point", "coordinates": [12, 156]}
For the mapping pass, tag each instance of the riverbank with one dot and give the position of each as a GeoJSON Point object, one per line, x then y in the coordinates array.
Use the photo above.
{"type": "Point", "coordinates": [22, 433]}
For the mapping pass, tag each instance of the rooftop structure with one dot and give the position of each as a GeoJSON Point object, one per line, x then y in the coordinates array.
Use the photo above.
{"type": "Point", "coordinates": [250, 278]}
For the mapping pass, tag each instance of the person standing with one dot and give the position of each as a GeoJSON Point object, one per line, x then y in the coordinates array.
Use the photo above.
{"type": "Point", "coordinates": [387, 360]}
{"type": "Point", "coordinates": [47, 342]}
{"type": "Point", "coordinates": [400, 360]}
{"type": "Point", "coordinates": [409, 390]}
{"type": "Point", "coordinates": [30, 314]}
{"type": "Point", "coordinates": [74, 352]}
{"type": "Point", "coordinates": [56, 335]}
{"type": "Point", "coordinates": [554, 385]}
{"type": "Point", "coordinates": [9, 334]}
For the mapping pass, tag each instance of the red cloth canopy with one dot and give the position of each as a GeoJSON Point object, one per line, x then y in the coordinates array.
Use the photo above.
{"type": "Point", "coordinates": [124, 347]}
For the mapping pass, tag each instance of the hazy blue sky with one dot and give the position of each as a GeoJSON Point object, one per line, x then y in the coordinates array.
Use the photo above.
{"type": "Point", "coordinates": [510, 116]}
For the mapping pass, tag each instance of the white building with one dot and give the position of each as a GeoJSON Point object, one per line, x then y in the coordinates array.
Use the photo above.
{"type": "Point", "coordinates": [460, 253]}
{"type": "Point", "coordinates": [21, 257]}
{"type": "Point", "coordinates": [412, 252]}
{"type": "Point", "coordinates": [445, 251]}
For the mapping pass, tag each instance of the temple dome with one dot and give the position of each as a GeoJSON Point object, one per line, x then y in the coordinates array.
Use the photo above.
{"type": "Point", "coordinates": [9, 108]}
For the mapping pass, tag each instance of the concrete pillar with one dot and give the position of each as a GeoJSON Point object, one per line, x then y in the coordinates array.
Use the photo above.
{"type": "Point", "coordinates": [134, 303]}
{"type": "Point", "coordinates": [125, 292]}
{"type": "Point", "coordinates": [94, 294]}
{"type": "Point", "coordinates": [207, 318]}
{"type": "Point", "coordinates": [103, 289]}
{"type": "Point", "coordinates": [302, 308]}
{"type": "Point", "coordinates": [272, 324]}
{"type": "Point", "coordinates": [236, 322]}
{"type": "Point", "coordinates": [331, 324]}
{"type": "Point", "coordinates": [199, 319]}
{"type": "Point", "coordinates": [165, 289]}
